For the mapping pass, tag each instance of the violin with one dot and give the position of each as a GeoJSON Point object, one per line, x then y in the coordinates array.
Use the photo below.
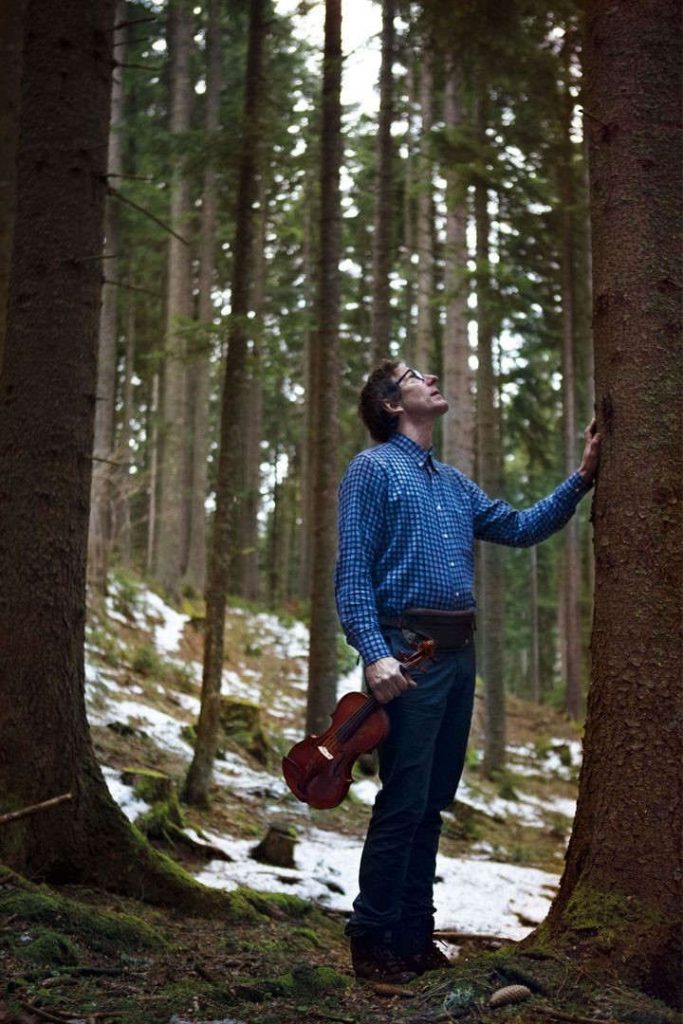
{"type": "Point", "coordinates": [318, 769]}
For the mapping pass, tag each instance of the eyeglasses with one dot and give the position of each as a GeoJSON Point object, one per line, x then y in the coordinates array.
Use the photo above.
{"type": "Point", "coordinates": [413, 374]}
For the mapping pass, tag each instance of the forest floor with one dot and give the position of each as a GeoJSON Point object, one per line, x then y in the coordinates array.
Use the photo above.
{"type": "Point", "coordinates": [81, 955]}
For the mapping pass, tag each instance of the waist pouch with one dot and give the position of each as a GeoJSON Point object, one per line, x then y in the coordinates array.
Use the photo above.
{"type": "Point", "coordinates": [450, 630]}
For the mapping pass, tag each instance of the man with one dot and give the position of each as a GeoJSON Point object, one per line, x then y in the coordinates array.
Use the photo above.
{"type": "Point", "coordinates": [407, 528]}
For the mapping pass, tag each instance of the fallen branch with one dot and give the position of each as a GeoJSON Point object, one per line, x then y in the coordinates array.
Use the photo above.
{"type": "Point", "coordinates": [385, 989]}
{"type": "Point", "coordinates": [35, 808]}
{"type": "Point", "coordinates": [456, 937]}
{"type": "Point", "coordinates": [572, 1017]}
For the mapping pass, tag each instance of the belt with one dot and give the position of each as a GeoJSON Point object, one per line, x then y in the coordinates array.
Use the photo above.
{"type": "Point", "coordinates": [451, 630]}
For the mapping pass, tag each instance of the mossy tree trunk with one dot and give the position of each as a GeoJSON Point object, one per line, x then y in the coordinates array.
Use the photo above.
{"type": "Point", "coordinates": [620, 893]}
{"type": "Point", "coordinates": [47, 412]}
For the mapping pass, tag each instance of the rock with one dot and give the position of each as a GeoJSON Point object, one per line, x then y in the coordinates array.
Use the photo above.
{"type": "Point", "coordinates": [277, 847]}
{"type": "Point", "coordinates": [241, 722]}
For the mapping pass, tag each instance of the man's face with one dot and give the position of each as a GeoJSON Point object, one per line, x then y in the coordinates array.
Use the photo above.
{"type": "Point", "coordinates": [420, 395]}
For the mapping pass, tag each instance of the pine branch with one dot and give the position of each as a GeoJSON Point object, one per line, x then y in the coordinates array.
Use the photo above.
{"type": "Point", "coordinates": [135, 206]}
{"type": "Point", "coordinates": [132, 287]}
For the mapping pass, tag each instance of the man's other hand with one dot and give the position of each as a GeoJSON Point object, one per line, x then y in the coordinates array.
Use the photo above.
{"type": "Point", "coordinates": [591, 453]}
{"type": "Point", "coordinates": [386, 679]}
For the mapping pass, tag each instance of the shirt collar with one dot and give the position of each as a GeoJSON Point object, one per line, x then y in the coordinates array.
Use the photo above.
{"type": "Point", "coordinates": [422, 456]}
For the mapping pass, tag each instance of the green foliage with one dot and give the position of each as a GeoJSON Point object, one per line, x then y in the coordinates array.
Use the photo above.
{"type": "Point", "coordinates": [147, 661]}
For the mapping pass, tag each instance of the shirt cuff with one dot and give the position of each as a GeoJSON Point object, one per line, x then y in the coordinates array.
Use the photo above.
{"type": "Point", "coordinates": [579, 485]}
{"type": "Point", "coordinates": [371, 648]}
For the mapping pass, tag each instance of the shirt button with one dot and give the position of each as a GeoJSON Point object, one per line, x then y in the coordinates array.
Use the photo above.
{"type": "Point", "coordinates": [445, 536]}
{"type": "Point", "coordinates": [451, 563]}
{"type": "Point", "coordinates": [438, 508]}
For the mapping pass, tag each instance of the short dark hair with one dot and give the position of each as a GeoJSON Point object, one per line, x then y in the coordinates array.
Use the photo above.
{"type": "Point", "coordinates": [379, 388]}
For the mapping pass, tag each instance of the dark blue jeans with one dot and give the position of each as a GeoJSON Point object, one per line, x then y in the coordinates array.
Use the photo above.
{"type": "Point", "coordinates": [420, 766]}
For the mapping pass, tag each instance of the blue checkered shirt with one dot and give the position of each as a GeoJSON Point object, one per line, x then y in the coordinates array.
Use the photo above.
{"type": "Point", "coordinates": [407, 526]}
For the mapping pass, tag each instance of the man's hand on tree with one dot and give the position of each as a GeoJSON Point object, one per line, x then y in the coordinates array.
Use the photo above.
{"type": "Point", "coordinates": [591, 453]}
{"type": "Point", "coordinates": [386, 679]}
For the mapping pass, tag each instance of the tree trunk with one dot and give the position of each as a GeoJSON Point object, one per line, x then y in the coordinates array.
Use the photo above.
{"type": "Point", "coordinates": [311, 217]}
{"type": "Point", "coordinates": [425, 271]}
{"type": "Point", "coordinates": [322, 664]}
{"type": "Point", "coordinates": [380, 333]}
{"type": "Point", "coordinates": [121, 537]}
{"type": "Point", "coordinates": [620, 896]}
{"type": "Point", "coordinates": [195, 572]}
{"type": "Point", "coordinates": [198, 781]}
{"type": "Point", "coordinates": [572, 551]}
{"type": "Point", "coordinates": [174, 470]}
{"type": "Point", "coordinates": [534, 660]}
{"type": "Point", "coordinates": [153, 486]}
{"type": "Point", "coordinates": [247, 567]}
{"type": "Point", "coordinates": [101, 499]}
{"type": "Point", "coordinates": [458, 427]}
{"type": "Point", "coordinates": [409, 212]}
{"type": "Point", "coordinates": [11, 48]}
{"type": "Point", "coordinates": [491, 568]}
{"type": "Point", "coordinates": [47, 412]}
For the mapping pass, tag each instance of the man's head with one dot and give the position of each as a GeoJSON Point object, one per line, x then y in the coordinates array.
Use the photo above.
{"type": "Point", "coordinates": [394, 392]}
{"type": "Point", "coordinates": [380, 388]}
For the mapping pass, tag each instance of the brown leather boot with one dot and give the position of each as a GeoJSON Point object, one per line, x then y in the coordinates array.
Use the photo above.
{"type": "Point", "coordinates": [431, 959]}
{"type": "Point", "coordinates": [374, 958]}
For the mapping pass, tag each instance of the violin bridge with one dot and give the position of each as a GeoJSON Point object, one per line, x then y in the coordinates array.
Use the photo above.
{"type": "Point", "coordinates": [325, 752]}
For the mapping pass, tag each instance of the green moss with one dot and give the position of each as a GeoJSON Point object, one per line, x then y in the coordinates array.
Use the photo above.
{"type": "Point", "coordinates": [307, 937]}
{"type": "Point", "coordinates": [304, 980]}
{"type": "Point", "coordinates": [278, 904]}
{"type": "Point", "coordinates": [101, 930]}
{"type": "Point", "coordinates": [590, 909]}
{"type": "Point", "coordinates": [48, 948]}
{"type": "Point", "coordinates": [146, 661]}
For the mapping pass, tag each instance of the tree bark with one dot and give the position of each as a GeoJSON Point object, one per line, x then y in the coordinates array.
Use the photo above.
{"type": "Point", "coordinates": [380, 333]}
{"type": "Point", "coordinates": [195, 572]}
{"type": "Point", "coordinates": [174, 470]}
{"type": "Point", "coordinates": [620, 896]}
{"type": "Point", "coordinates": [458, 428]}
{"type": "Point", "coordinates": [11, 48]}
{"type": "Point", "coordinates": [322, 664]}
{"type": "Point", "coordinates": [534, 660]}
{"type": "Point", "coordinates": [121, 531]}
{"type": "Point", "coordinates": [101, 499]}
{"type": "Point", "coordinates": [47, 412]}
{"type": "Point", "coordinates": [572, 552]}
{"type": "Point", "coordinates": [198, 781]}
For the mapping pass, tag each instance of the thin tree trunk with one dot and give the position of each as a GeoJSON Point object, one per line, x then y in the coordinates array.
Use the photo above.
{"type": "Point", "coordinates": [409, 214]}
{"type": "Point", "coordinates": [311, 217]}
{"type": "Point", "coordinates": [122, 479]}
{"type": "Point", "coordinates": [620, 895]}
{"type": "Point", "coordinates": [248, 563]}
{"type": "Point", "coordinates": [172, 543]}
{"type": "Point", "coordinates": [384, 186]}
{"type": "Point", "coordinates": [153, 487]}
{"type": "Point", "coordinates": [198, 781]}
{"type": "Point", "coordinates": [458, 428]}
{"type": "Point", "coordinates": [11, 50]}
{"type": "Point", "coordinates": [491, 571]}
{"type": "Point", "coordinates": [572, 551]}
{"type": "Point", "coordinates": [425, 271]}
{"type": "Point", "coordinates": [101, 500]}
{"type": "Point", "coordinates": [534, 660]}
{"type": "Point", "coordinates": [195, 572]}
{"type": "Point", "coordinates": [322, 664]}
